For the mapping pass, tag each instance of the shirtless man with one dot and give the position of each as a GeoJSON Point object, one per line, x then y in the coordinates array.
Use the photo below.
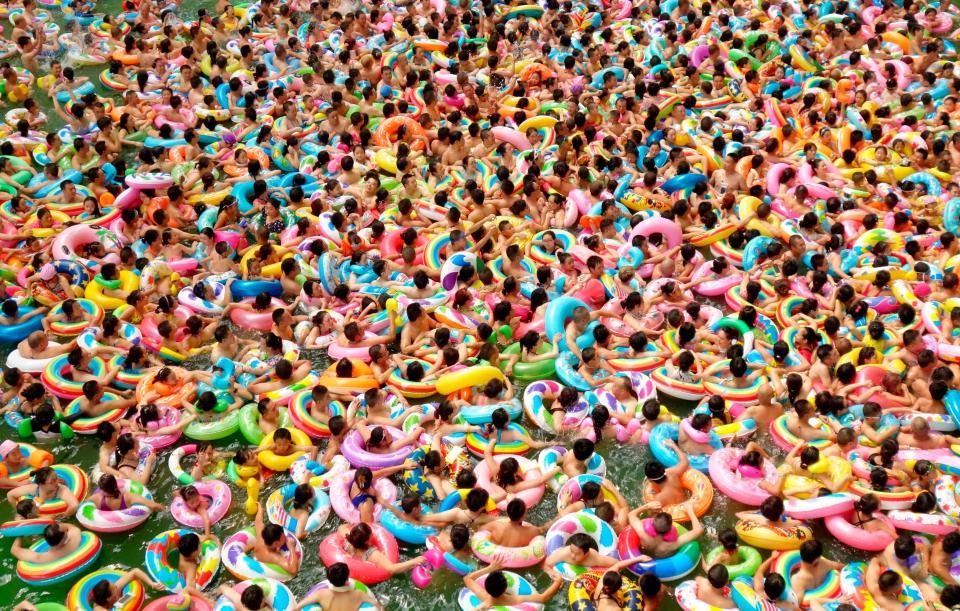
{"type": "Point", "coordinates": [513, 532]}
{"type": "Point", "coordinates": [713, 589]}
{"type": "Point", "coordinates": [941, 555]}
{"type": "Point", "coordinates": [62, 540]}
{"type": "Point", "coordinates": [581, 550]}
{"type": "Point", "coordinates": [475, 513]}
{"type": "Point", "coordinates": [269, 544]}
{"type": "Point", "coordinates": [668, 489]}
{"type": "Point", "coordinates": [919, 436]}
{"type": "Point", "coordinates": [884, 586]}
{"type": "Point", "coordinates": [38, 346]}
{"type": "Point", "coordinates": [765, 411]}
{"type": "Point", "coordinates": [493, 592]}
{"type": "Point", "coordinates": [340, 594]}
{"type": "Point", "coordinates": [91, 403]}
{"type": "Point", "coordinates": [814, 568]}
{"type": "Point", "coordinates": [664, 540]}
{"type": "Point", "coordinates": [798, 423]}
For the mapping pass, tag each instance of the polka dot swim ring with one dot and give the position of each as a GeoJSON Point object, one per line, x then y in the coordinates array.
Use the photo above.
{"type": "Point", "coordinates": [581, 522]}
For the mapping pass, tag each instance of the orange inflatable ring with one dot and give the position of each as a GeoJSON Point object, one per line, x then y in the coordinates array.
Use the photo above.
{"type": "Point", "coordinates": [429, 44]}
{"type": "Point", "coordinates": [353, 385]}
{"type": "Point", "coordinates": [171, 395]}
{"type": "Point", "coordinates": [697, 485]}
{"type": "Point", "coordinates": [36, 458]}
{"type": "Point", "coordinates": [536, 68]}
{"type": "Point", "coordinates": [124, 58]}
{"type": "Point", "coordinates": [178, 154]}
{"type": "Point", "coordinates": [845, 89]}
{"type": "Point", "coordinates": [161, 202]}
{"type": "Point", "coordinates": [898, 39]}
{"type": "Point", "coordinates": [384, 136]}
{"type": "Point", "coordinates": [843, 137]}
{"type": "Point", "coordinates": [253, 152]}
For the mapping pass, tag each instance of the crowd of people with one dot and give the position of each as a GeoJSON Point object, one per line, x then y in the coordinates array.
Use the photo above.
{"type": "Point", "coordinates": [523, 236]}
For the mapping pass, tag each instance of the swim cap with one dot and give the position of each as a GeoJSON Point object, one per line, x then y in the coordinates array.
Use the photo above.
{"type": "Point", "coordinates": [47, 271]}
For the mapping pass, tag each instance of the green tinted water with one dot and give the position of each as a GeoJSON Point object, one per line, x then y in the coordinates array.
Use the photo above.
{"type": "Point", "coordinates": [625, 467]}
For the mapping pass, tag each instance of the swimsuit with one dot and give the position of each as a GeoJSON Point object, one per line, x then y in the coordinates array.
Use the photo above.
{"type": "Point", "coordinates": [361, 498]}
{"type": "Point", "coordinates": [105, 507]}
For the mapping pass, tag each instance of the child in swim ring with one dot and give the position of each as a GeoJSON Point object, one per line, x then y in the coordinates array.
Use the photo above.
{"type": "Point", "coordinates": [283, 445]}
{"type": "Point", "coordinates": [494, 593]}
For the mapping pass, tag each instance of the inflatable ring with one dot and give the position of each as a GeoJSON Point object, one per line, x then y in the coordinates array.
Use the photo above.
{"type": "Point", "coordinates": [671, 568]}
{"type": "Point", "coordinates": [584, 522]}
{"type": "Point", "coordinates": [54, 376]}
{"type": "Point", "coordinates": [668, 384]}
{"type": "Point", "coordinates": [529, 470]}
{"type": "Point", "coordinates": [748, 565]}
{"type": "Point", "coordinates": [218, 497]}
{"type": "Point", "coordinates": [782, 436]}
{"type": "Point", "coordinates": [162, 570]}
{"type": "Point", "coordinates": [408, 532]}
{"type": "Point", "coordinates": [477, 443]}
{"type": "Point", "coordinates": [410, 389]}
{"type": "Point", "coordinates": [302, 419]}
{"type": "Point", "coordinates": [35, 459]}
{"type": "Point", "coordinates": [667, 456]}
{"type": "Point", "coordinates": [516, 585]}
{"type": "Point", "coordinates": [513, 557]}
{"type": "Point", "coordinates": [740, 484]}
{"type": "Point", "coordinates": [701, 494]}
{"type": "Point", "coordinates": [249, 422]}
{"type": "Point", "coordinates": [353, 449]}
{"type": "Point", "coordinates": [80, 596]}
{"type": "Point", "coordinates": [281, 498]}
{"type": "Point", "coordinates": [572, 489]}
{"type": "Point", "coordinates": [333, 550]}
{"type": "Point", "coordinates": [219, 428]}
{"type": "Point", "coordinates": [71, 329]}
{"type": "Point", "coordinates": [853, 584]}
{"type": "Point", "coordinates": [242, 565]}
{"type": "Point", "coordinates": [454, 457]}
{"type": "Point", "coordinates": [356, 384]}
{"type": "Point", "coordinates": [767, 536]}
{"type": "Point", "coordinates": [68, 567]}
{"type": "Point", "coordinates": [340, 501]}
{"type": "Point", "coordinates": [120, 520]}
{"type": "Point", "coordinates": [88, 424]}
{"type": "Point", "coordinates": [277, 595]}
{"type": "Point", "coordinates": [580, 593]}
{"type": "Point", "coordinates": [74, 479]}
{"type": "Point", "coordinates": [785, 563]}
{"type": "Point", "coordinates": [176, 470]}
{"type": "Point", "coordinates": [478, 375]}
{"type": "Point", "coordinates": [33, 527]}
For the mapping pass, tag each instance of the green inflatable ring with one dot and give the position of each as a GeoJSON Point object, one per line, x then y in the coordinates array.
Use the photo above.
{"type": "Point", "coordinates": [25, 429]}
{"type": "Point", "coordinates": [110, 284]}
{"type": "Point", "coordinates": [529, 372]}
{"type": "Point", "coordinates": [732, 323]}
{"type": "Point", "coordinates": [747, 567]}
{"type": "Point", "coordinates": [249, 418]}
{"type": "Point", "coordinates": [218, 429]}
